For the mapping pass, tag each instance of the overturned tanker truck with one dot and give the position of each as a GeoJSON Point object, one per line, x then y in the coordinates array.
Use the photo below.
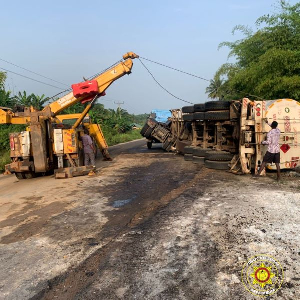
{"type": "Point", "coordinates": [228, 134]}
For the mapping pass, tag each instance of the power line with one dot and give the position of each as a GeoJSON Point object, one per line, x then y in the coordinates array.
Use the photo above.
{"type": "Point", "coordinates": [33, 72]}
{"type": "Point", "coordinates": [190, 74]}
{"type": "Point", "coordinates": [31, 78]}
{"type": "Point", "coordinates": [162, 86]}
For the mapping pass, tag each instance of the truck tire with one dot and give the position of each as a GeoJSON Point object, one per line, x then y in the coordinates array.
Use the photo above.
{"type": "Point", "coordinates": [197, 151]}
{"type": "Point", "coordinates": [198, 160]}
{"type": "Point", "coordinates": [148, 133]}
{"type": "Point", "coordinates": [217, 165]}
{"type": "Point", "coordinates": [217, 115]}
{"type": "Point", "coordinates": [188, 109]}
{"type": "Point", "coordinates": [199, 116]}
{"type": "Point", "coordinates": [188, 150]}
{"type": "Point", "coordinates": [149, 145]}
{"type": "Point", "coordinates": [218, 155]}
{"type": "Point", "coordinates": [144, 129]}
{"type": "Point", "coordinates": [188, 117]}
{"type": "Point", "coordinates": [29, 175]}
{"type": "Point", "coordinates": [217, 105]}
{"type": "Point", "coordinates": [199, 107]}
{"type": "Point", "coordinates": [188, 156]}
{"type": "Point", "coordinates": [20, 175]}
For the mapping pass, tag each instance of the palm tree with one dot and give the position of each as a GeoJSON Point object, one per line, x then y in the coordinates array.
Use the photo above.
{"type": "Point", "coordinates": [38, 101]}
{"type": "Point", "coordinates": [23, 99]}
{"type": "Point", "coordinates": [214, 90]}
{"type": "Point", "coordinates": [6, 100]}
{"type": "Point", "coordinates": [31, 100]}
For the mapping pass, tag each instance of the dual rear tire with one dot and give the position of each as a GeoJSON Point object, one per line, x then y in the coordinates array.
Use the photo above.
{"type": "Point", "coordinates": [218, 160]}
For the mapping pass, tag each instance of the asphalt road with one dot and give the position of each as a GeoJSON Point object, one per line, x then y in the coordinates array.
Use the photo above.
{"type": "Point", "coordinates": [149, 225]}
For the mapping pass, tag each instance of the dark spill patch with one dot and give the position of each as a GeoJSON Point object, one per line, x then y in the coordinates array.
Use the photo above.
{"type": "Point", "coordinates": [151, 188]}
{"type": "Point", "coordinates": [33, 217]}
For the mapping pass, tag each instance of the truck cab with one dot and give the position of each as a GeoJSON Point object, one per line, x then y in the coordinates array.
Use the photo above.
{"type": "Point", "coordinates": [158, 129]}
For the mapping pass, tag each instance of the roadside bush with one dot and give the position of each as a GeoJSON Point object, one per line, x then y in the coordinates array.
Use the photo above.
{"type": "Point", "coordinates": [113, 138]}
{"type": "Point", "coordinates": [4, 159]}
{"type": "Point", "coordinates": [4, 134]}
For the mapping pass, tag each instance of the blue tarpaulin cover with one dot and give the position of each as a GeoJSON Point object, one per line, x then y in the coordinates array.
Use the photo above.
{"type": "Point", "coordinates": [161, 115]}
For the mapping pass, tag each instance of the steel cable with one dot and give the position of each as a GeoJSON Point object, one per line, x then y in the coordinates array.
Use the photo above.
{"type": "Point", "coordinates": [162, 86]}
{"type": "Point", "coordinates": [190, 74]}
{"type": "Point", "coordinates": [6, 70]}
{"type": "Point", "coordinates": [8, 62]}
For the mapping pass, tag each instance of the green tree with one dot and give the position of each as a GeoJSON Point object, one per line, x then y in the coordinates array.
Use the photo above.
{"type": "Point", "coordinates": [74, 109]}
{"type": "Point", "coordinates": [38, 101]}
{"type": "Point", "coordinates": [215, 88]}
{"type": "Point", "coordinates": [2, 80]}
{"type": "Point", "coordinates": [268, 60]}
{"type": "Point", "coordinates": [23, 99]}
{"type": "Point", "coordinates": [6, 100]}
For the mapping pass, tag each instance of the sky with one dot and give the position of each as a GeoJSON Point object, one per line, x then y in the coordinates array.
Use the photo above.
{"type": "Point", "coordinates": [69, 40]}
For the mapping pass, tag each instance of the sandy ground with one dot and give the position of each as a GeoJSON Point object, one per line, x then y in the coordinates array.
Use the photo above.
{"type": "Point", "coordinates": [149, 226]}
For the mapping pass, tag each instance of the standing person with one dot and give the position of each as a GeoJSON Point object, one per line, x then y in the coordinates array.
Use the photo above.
{"type": "Point", "coordinates": [88, 148]}
{"type": "Point", "coordinates": [273, 152]}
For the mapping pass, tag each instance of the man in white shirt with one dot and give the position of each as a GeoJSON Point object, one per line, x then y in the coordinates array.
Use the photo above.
{"type": "Point", "coordinates": [273, 153]}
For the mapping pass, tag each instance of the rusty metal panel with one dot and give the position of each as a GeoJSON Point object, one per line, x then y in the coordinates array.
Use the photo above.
{"type": "Point", "coordinates": [39, 148]}
{"type": "Point", "coordinates": [72, 172]}
{"type": "Point", "coordinates": [70, 141]}
{"type": "Point", "coordinates": [15, 144]}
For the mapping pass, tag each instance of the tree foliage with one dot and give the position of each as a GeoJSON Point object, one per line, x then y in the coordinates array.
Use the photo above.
{"type": "Point", "coordinates": [268, 60]}
{"type": "Point", "coordinates": [36, 101]}
{"type": "Point", "coordinates": [2, 80]}
{"type": "Point", "coordinates": [215, 88]}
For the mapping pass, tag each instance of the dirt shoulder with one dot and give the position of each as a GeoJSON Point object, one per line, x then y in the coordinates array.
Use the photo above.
{"type": "Point", "coordinates": [196, 247]}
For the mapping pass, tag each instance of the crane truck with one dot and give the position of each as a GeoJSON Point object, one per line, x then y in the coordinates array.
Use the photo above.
{"type": "Point", "coordinates": [49, 144]}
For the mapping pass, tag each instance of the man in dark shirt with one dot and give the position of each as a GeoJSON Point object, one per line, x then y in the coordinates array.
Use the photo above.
{"type": "Point", "coordinates": [88, 148]}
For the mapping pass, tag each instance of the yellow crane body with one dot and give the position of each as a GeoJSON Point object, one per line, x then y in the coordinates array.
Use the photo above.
{"type": "Point", "coordinates": [50, 144]}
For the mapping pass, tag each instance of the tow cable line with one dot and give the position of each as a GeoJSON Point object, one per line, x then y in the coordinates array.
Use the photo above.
{"type": "Point", "coordinates": [190, 74]}
{"type": "Point", "coordinates": [155, 62]}
{"type": "Point", "coordinates": [162, 86]}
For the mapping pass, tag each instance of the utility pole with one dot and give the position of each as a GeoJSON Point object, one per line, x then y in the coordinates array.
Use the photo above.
{"type": "Point", "coordinates": [119, 104]}
{"type": "Point", "coordinates": [119, 107]}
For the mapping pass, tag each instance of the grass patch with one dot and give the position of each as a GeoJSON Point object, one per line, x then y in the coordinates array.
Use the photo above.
{"type": "Point", "coordinates": [114, 139]}
{"type": "Point", "coordinates": [4, 159]}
